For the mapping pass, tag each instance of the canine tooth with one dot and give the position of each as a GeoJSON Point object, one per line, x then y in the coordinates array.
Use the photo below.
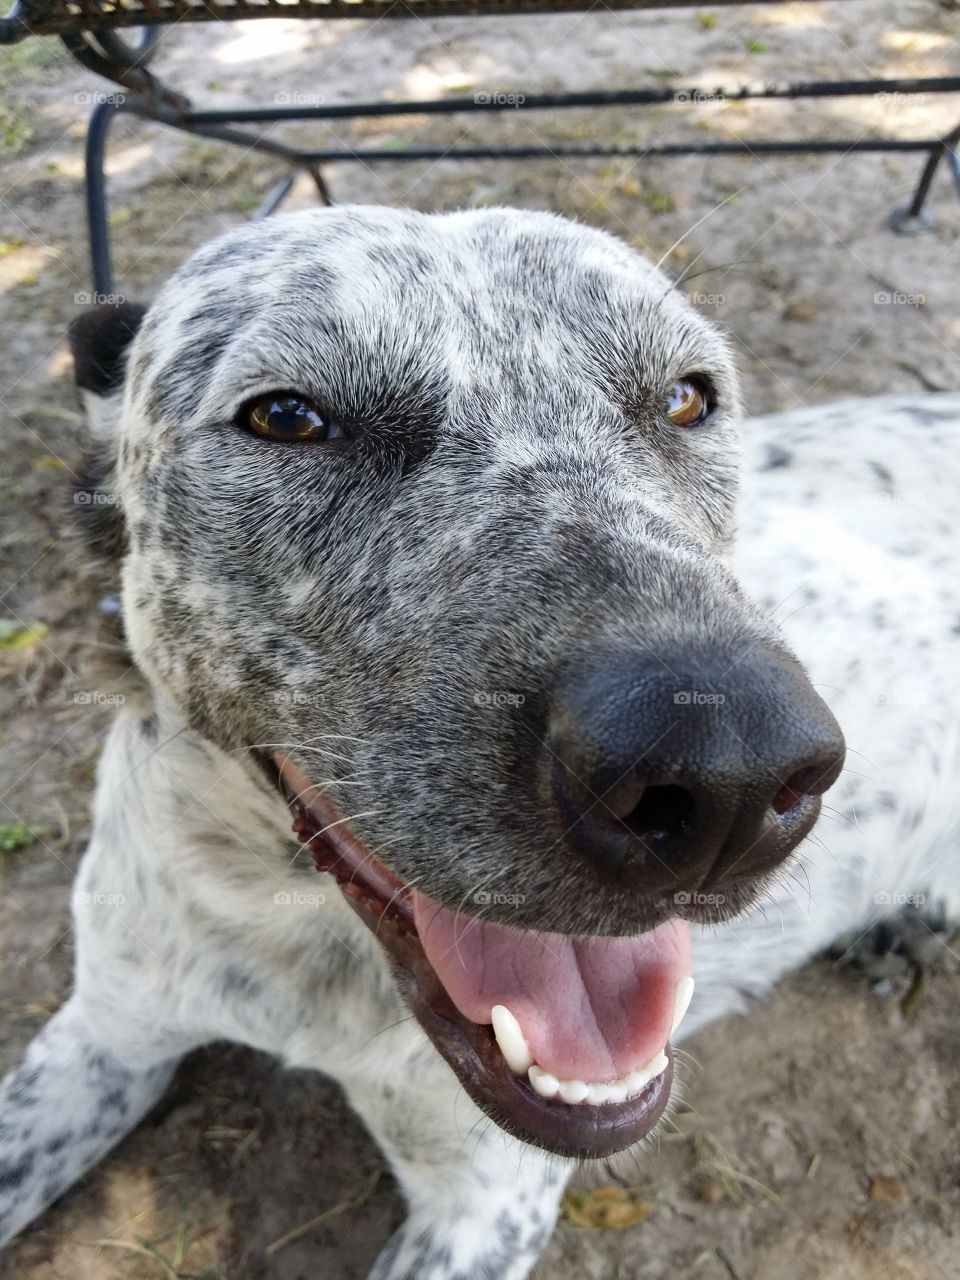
{"type": "Point", "coordinates": [681, 1004]}
{"type": "Point", "coordinates": [511, 1040]}
{"type": "Point", "coordinates": [573, 1090]}
{"type": "Point", "coordinates": [656, 1067]}
{"type": "Point", "coordinates": [543, 1082]}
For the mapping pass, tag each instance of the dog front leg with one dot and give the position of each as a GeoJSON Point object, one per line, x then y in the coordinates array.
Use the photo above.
{"type": "Point", "coordinates": [68, 1102]}
{"type": "Point", "coordinates": [488, 1222]}
{"type": "Point", "coordinates": [481, 1204]}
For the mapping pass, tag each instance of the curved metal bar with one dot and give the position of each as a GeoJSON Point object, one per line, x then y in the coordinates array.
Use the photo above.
{"type": "Point", "coordinates": [95, 194]}
{"type": "Point", "coordinates": [944, 148]}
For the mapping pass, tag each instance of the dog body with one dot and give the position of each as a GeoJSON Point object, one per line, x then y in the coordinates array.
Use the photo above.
{"type": "Point", "coordinates": [197, 915]}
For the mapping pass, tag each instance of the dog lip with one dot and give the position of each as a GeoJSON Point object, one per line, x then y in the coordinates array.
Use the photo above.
{"type": "Point", "coordinates": [382, 901]}
{"type": "Point", "coordinates": [578, 1132]}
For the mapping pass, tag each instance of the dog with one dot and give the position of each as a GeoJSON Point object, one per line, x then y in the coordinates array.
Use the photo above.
{"type": "Point", "coordinates": [465, 734]}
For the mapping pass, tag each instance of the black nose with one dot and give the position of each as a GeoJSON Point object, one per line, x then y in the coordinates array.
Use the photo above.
{"type": "Point", "coordinates": [680, 770]}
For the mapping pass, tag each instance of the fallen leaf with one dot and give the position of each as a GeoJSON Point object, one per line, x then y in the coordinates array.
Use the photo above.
{"type": "Point", "coordinates": [19, 635]}
{"type": "Point", "coordinates": [15, 836]}
{"type": "Point", "coordinates": [887, 1190]}
{"type": "Point", "coordinates": [606, 1208]}
{"type": "Point", "coordinates": [801, 310]}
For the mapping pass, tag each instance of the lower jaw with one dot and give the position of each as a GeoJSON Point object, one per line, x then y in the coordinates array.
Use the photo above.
{"type": "Point", "coordinates": [577, 1131]}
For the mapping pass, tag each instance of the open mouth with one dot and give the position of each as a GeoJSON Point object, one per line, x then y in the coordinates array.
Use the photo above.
{"type": "Point", "coordinates": [563, 1041]}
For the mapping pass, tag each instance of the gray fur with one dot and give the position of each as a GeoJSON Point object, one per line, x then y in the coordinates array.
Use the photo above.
{"type": "Point", "coordinates": [512, 498]}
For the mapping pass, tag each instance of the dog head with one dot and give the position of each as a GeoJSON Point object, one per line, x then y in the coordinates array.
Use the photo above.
{"type": "Point", "coordinates": [438, 505]}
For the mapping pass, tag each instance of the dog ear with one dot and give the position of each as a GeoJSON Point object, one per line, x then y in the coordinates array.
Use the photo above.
{"type": "Point", "coordinates": [99, 342]}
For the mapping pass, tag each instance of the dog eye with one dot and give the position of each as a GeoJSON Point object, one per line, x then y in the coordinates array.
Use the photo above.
{"type": "Point", "coordinates": [688, 403]}
{"type": "Point", "coordinates": [289, 418]}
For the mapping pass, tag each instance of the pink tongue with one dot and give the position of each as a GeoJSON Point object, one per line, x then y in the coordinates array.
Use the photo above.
{"type": "Point", "coordinates": [591, 1009]}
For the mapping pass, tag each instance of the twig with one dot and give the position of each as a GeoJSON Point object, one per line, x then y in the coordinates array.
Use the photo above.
{"type": "Point", "coordinates": [359, 1198]}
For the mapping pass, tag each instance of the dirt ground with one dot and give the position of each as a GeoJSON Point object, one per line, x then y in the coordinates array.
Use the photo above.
{"type": "Point", "coordinates": [819, 1140]}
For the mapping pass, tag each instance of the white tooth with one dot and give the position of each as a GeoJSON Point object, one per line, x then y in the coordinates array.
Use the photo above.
{"type": "Point", "coordinates": [573, 1090]}
{"type": "Point", "coordinates": [543, 1082]}
{"type": "Point", "coordinates": [511, 1040]}
{"type": "Point", "coordinates": [681, 1003]}
{"type": "Point", "coordinates": [636, 1081]}
{"type": "Point", "coordinates": [600, 1093]}
{"type": "Point", "coordinates": [657, 1066]}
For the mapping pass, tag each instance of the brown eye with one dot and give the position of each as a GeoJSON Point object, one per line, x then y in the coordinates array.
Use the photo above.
{"type": "Point", "coordinates": [289, 418]}
{"type": "Point", "coordinates": [688, 404]}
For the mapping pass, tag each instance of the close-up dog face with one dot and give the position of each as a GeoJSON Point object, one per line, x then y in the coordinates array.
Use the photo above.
{"type": "Point", "coordinates": [459, 588]}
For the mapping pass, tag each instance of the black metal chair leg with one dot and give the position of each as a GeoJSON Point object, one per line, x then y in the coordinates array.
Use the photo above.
{"type": "Point", "coordinates": [98, 228]}
{"type": "Point", "coordinates": [274, 197]}
{"type": "Point", "coordinates": [915, 216]}
{"type": "Point", "coordinates": [321, 184]}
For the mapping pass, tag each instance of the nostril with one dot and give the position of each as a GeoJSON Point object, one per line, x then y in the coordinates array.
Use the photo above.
{"type": "Point", "coordinates": [798, 787]}
{"type": "Point", "coordinates": [787, 798]}
{"type": "Point", "coordinates": [661, 811]}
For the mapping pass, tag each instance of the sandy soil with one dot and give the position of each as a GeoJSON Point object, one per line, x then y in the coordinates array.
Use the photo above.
{"type": "Point", "coordinates": [820, 1140]}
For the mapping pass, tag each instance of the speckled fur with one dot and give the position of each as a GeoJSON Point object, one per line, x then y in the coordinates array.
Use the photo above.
{"type": "Point", "coordinates": [511, 499]}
